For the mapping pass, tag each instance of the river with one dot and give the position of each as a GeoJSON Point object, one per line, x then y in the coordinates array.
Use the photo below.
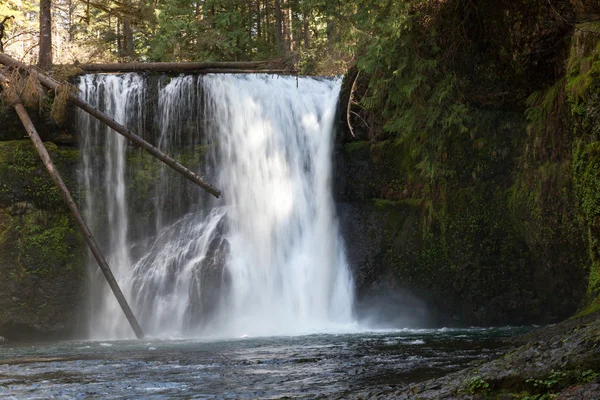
{"type": "Point", "coordinates": [324, 365]}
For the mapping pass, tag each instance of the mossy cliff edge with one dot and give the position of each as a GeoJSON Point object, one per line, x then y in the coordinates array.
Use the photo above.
{"type": "Point", "coordinates": [473, 178]}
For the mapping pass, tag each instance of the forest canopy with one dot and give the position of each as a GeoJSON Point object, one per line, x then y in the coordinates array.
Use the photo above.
{"type": "Point", "coordinates": [317, 36]}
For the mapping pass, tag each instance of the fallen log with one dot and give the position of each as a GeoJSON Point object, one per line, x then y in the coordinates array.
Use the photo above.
{"type": "Point", "coordinates": [200, 67]}
{"type": "Point", "coordinates": [54, 85]}
{"type": "Point", "coordinates": [246, 71]}
{"type": "Point", "coordinates": [80, 222]}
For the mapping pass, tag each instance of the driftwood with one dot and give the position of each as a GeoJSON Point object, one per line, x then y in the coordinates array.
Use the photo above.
{"type": "Point", "coordinates": [80, 222]}
{"type": "Point", "coordinates": [54, 85]}
{"type": "Point", "coordinates": [197, 67]}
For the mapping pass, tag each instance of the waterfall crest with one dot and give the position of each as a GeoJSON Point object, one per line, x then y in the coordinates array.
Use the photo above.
{"type": "Point", "coordinates": [267, 258]}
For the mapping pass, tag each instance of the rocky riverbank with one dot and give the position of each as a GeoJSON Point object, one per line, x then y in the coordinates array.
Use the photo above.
{"type": "Point", "coordinates": [555, 362]}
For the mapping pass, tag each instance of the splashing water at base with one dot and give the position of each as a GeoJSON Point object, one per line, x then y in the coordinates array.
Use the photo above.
{"type": "Point", "coordinates": [267, 258]}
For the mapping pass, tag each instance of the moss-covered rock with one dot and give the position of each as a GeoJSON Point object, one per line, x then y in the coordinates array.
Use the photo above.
{"type": "Point", "coordinates": [583, 89]}
{"type": "Point", "coordinates": [41, 253]}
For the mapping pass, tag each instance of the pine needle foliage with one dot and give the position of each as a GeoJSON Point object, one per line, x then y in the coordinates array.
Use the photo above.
{"type": "Point", "coordinates": [58, 111]}
{"type": "Point", "coordinates": [413, 88]}
{"type": "Point", "coordinates": [27, 91]}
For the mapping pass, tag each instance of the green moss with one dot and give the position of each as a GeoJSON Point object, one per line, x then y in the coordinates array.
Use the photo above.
{"type": "Point", "coordinates": [23, 175]}
{"type": "Point", "coordinates": [193, 156]}
{"type": "Point", "coordinates": [384, 203]}
{"type": "Point", "coordinates": [40, 242]}
{"type": "Point", "coordinates": [64, 155]}
{"type": "Point", "coordinates": [48, 241]}
{"type": "Point", "coordinates": [586, 162]}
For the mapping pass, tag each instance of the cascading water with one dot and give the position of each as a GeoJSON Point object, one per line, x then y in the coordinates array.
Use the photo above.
{"type": "Point", "coordinates": [267, 258]}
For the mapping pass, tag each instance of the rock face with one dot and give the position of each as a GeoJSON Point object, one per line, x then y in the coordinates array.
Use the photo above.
{"type": "Point", "coordinates": [41, 254]}
{"type": "Point", "coordinates": [498, 223]}
{"type": "Point", "coordinates": [471, 261]}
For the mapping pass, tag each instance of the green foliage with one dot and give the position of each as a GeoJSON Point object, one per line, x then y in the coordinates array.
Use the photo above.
{"type": "Point", "coordinates": [542, 103]}
{"type": "Point", "coordinates": [477, 385]}
{"type": "Point", "coordinates": [549, 387]}
{"type": "Point", "coordinates": [356, 146]}
{"type": "Point", "coordinates": [410, 84]}
{"type": "Point", "coordinates": [215, 32]}
{"type": "Point", "coordinates": [546, 385]}
{"type": "Point", "coordinates": [583, 68]}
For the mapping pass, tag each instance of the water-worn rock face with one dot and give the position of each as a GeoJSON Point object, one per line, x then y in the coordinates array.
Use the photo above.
{"type": "Point", "coordinates": [41, 255]}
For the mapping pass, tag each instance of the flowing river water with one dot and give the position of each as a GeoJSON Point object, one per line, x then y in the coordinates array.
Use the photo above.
{"type": "Point", "coordinates": [325, 365]}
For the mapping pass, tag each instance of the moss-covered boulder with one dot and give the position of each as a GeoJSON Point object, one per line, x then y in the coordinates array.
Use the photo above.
{"type": "Point", "coordinates": [41, 253]}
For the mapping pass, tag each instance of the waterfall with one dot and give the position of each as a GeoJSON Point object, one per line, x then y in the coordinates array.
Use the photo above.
{"type": "Point", "coordinates": [266, 258]}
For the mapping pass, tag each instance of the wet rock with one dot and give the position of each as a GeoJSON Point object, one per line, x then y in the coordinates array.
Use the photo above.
{"type": "Point", "coordinates": [567, 353]}
{"type": "Point", "coordinates": [41, 253]}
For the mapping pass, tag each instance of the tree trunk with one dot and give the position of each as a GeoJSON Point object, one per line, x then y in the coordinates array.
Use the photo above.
{"type": "Point", "coordinates": [128, 50]}
{"type": "Point", "coordinates": [306, 32]}
{"type": "Point", "coordinates": [267, 24]}
{"type": "Point", "coordinates": [289, 27]}
{"type": "Point", "coordinates": [279, 27]}
{"type": "Point", "coordinates": [119, 41]}
{"type": "Point", "coordinates": [258, 16]}
{"type": "Point", "coordinates": [45, 49]}
{"type": "Point", "coordinates": [71, 22]}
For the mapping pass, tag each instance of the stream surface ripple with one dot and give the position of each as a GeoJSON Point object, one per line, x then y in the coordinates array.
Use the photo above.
{"type": "Point", "coordinates": [321, 365]}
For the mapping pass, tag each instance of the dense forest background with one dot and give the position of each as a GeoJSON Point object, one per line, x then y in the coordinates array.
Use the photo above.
{"type": "Point", "coordinates": [319, 36]}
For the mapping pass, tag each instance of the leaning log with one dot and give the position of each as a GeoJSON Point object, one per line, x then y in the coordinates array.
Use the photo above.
{"type": "Point", "coordinates": [137, 140]}
{"type": "Point", "coordinates": [80, 222]}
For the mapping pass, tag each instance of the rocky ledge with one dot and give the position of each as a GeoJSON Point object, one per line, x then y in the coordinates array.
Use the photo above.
{"type": "Point", "coordinates": [560, 361]}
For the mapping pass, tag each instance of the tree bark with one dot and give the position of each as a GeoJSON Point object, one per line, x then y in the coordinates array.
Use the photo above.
{"type": "Point", "coordinates": [71, 20]}
{"type": "Point", "coordinates": [306, 32]}
{"type": "Point", "coordinates": [258, 20]}
{"type": "Point", "coordinates": [52, 84]}
{"type": "Point", "coordinates": [279, 27]}
{"type": "Point", "coordinates": [288, 26]}
{"type": "Point", "coordinates": [128, 50]}
{"type": "Point", "coordinates": [80, 222]}
{"type": "Point", "coordinates": [45, 49]}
